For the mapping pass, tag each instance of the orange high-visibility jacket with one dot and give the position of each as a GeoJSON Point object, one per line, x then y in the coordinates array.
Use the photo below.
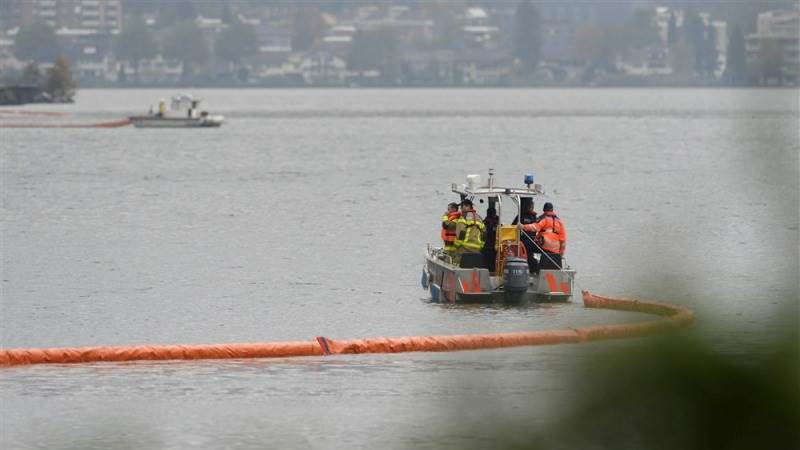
{"type": "Point", "coordinates": [449, 226]}
{"type": "Point", "coordinates": [550, 233]}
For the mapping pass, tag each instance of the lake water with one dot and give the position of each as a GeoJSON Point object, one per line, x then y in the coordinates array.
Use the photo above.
{"type": "Point", "coordinates": [307, 214]}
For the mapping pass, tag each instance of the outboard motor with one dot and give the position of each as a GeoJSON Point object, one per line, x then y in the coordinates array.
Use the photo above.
{"type": "Point", "coordinates": [515, 279]}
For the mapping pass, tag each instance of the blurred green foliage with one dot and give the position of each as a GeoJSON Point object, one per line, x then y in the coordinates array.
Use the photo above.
{"type": "Point", "coordinates": [678, 392]}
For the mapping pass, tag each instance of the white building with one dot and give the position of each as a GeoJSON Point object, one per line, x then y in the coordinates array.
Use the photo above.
{"type": "Point", "coordinates": [99, 15]}
{"type": "Point", "coordinates": [783, 28]}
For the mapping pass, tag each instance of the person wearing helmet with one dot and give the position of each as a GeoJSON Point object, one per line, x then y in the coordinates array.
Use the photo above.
{"type": "Point", "coordinates": [469, 230]}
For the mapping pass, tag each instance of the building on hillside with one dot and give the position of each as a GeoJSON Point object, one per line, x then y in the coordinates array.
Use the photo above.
{"type": "Point", "coordinates": [482, 68]}
{"type": "Point", "coordinates": [478, 31]}
{"type": "Point", "coordinates": [98, 15]}
{"type": "Point", "coordinates": [428, 66]}
{"type": "Point", "coordinates": [339, 40]}
{"type": "Point", "coordinates": [782, 28]}
{"type": "Point", "coordinates": [721, 32]}
{"type": "Point", "coordinates": [560, 22]}
{"type": "Point", "coordinates": [321, 68]}
{"type": "Point", "coordinates": [89, 51]}
{"type": "Point", "coordinates": [402, 20]}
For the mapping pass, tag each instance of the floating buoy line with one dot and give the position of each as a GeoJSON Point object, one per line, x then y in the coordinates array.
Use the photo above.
{"type": "Point", "coordinates": [671, 317]}
{"type": "Point", "coordinates": [111, 124]}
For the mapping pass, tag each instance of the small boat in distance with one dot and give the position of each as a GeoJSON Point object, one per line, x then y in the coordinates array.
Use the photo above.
{"type": "Point", "coordinates": [183, 113]}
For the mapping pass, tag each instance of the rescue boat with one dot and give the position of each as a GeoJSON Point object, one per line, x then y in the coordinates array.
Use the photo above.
{"type": "Point", "coordinates": [183, 113]}
{"type": "Point", "coordinates": [469, 278]}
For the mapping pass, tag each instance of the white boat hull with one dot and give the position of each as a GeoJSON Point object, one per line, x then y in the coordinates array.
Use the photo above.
{"type": "Point", "coordinates": [176, 122]}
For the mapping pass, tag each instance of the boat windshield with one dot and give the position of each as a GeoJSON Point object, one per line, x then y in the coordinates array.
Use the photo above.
{"type": "Point", "coordinates": [182, 101]}
{"type": "Point", "coordinates": [507, 207]}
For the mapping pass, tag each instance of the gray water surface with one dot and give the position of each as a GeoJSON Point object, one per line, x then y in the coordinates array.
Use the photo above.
{"type": "Point", "coordinates": [307, 214]}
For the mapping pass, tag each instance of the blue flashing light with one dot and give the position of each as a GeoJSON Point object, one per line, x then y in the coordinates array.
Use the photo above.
{"type": "Point", "coordinates": [529, 179]}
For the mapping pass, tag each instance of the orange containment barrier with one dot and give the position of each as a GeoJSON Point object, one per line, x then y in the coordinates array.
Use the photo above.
{"type": "Point", "coordinates": [157, 352]}
{"type": "Point", "coordinates": [672, 317]}
{"type": "Point", "coordinates": [20, 112]}
{"type": "Point", "coordinates": [112, 124]}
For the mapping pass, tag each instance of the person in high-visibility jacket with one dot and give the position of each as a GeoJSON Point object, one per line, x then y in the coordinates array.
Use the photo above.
{"type": "Point", "coordinates": [469, 230]}
{"type": "Point", "coordinates": [449, 228]}
{"type": "Point", "coordinates": [551, 237]}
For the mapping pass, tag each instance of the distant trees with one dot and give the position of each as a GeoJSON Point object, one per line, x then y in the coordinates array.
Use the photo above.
{"type": "Point", "coordinates": [308, 27]}
{"type": "Point", "coordinates": [134, 44]}
{"type": "Point", "coordinates": [374, 49]}
{"type": "Point", "coordinates": [736, 63]}
{"type": "Point", "coordinates": [185, 43]}
{"type": "Point", "coordinates": [703, 40]}
{"type": "Point", "coordinates": [236, 41]}
{"type": "Point", "coordinates": [526, 38]}
{"type": "Point", "coordinates": [174, 12]}
{"type": "Point", "coordinates": [682, 60]}
{"type": "Point", "coordinates": [709, 54]}
{"type": "Point", "coordinates": [672, 29]}
{"type": "Point", "coordinates": [36, 42]}
{"type": "Point", "coordinates": [32, 75]}
{"type": "Point", "coordinates": [226, 15]}
{"type": "Point", "coordinates": [595, 47]}
{"type": "Point", "coordinates": [598, 47]}
{"type": "Point", "coordinates": [769, 65]}
{"type": "Point", "coordinates": [640, 30]}
{"type": "Point", "coordinates": [445, 14]}
{"type": "Point", "coordinates": [59, 83]}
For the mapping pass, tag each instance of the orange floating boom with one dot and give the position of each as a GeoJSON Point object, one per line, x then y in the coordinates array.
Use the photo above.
{"type": "Point", "coordinates": [673, 317]}
{"type": "Point", "coordinates": [112, 124]}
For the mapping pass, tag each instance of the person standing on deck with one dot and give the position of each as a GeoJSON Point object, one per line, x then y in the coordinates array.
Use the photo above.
{"type": "Point", "coordinates": [491, 221]}
{"type": "Point", "coordinates": [551, 237]}
{"type": "Point", "coordinates": [449, 228]}
{"type": "Point", "coordinates": [469, 230]}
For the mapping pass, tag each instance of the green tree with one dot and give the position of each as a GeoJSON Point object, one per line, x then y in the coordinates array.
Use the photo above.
{"type": "Point", "coordinates": [59, 83]}
{"type": "Point", "coordinates": [226, 15]}
{"type": "Point", "coordinates": [527, 39]}
{"type": "Point", "coordinates": [185, 43]}
{"type": "Point", "coordinates": [236, 41]}
{"type": "Point", "coordinates": [682, 60]}
{"type": "Point", "coordinates": [672, 29]}
{"type": "Point", "coordinates": [374, 49]}
{"type": "Point", "coordinates": [445, 15]}
{"type": "Point", "coordinates": [694, 33]}
{"type": "Point", "coordinates": [736, 63]}
{"type": "Point", "coordinates": [36, 42]}
{"type": "Point", "coordinates": [710, 53]}
{"type": "Point", "coordinates": [678, 391]}
{"type": "Point", "coordinates": [307, 27]}
{"type": "Point", "coordinates": [32, 75]}
{"type": "Point", "coordinates": [770, 61]}
{"type": "Point", "coordinates": [640, 29]}
{"type": "Point", "coordinates": [595, 47]}
{"type": "Point", "coordinates": [175, 12]}
{"type": "Point", "coordinates": [134, 44]}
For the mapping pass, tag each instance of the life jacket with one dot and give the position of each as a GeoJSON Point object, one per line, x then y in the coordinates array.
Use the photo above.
{"type": "Point", "coordinates": [469, 232]}
{"type": "Point", "coordinates": [449, 229]}
{"type": "Point", "coordinates": [551, 235]}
